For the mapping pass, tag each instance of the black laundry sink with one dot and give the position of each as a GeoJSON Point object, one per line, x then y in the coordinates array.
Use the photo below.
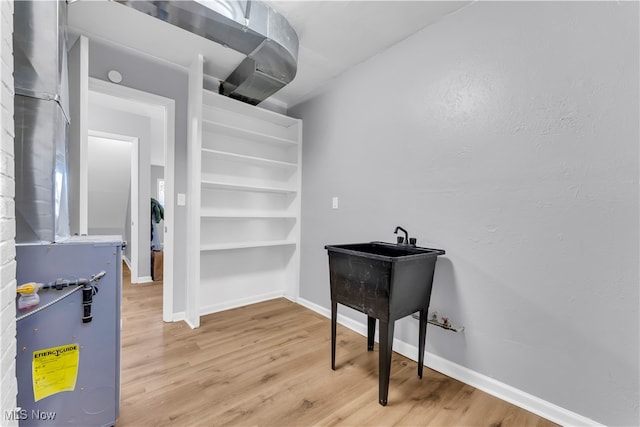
{"type": "Point", "coordinates": [385, 281]}
{"type": "Point", "coordinates": [384, 250]}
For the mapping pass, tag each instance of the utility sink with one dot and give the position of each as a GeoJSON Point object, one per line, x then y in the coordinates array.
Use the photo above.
{"type": "Point", "coordinates": [385, 281]}
{"type": "Point", "coordinates": [383, 250]}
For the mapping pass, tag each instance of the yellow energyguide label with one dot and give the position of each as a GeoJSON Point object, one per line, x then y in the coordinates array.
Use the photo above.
{"type": "Point", "coordinates": [55, 370]}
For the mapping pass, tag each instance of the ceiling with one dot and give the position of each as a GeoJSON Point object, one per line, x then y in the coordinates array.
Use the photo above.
{"type": "Point", "coordinates": [333, 35]}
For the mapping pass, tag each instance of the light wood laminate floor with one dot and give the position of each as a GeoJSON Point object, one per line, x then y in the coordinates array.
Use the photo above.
{"type": "Point", "coordinates": [268, 364]}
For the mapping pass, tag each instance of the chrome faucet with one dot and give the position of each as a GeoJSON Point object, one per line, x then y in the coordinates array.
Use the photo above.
{"type": "Point", "coordinates": [401, 239]}
{"type": "Point", "coordinates": [404, 240]}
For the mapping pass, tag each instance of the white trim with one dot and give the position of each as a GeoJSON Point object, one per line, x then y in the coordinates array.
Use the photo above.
{"type": "Point", "coordinates": [169, 210]}
{"type": "Point", "coordinates": [194, 165]}
{"type": "Point", "coordinates": [178, 316]}
{"type": "Point", "coordinates": [480, 381]}
{"type": "Point", "coordinates": [214, 308]}
{"type": "Point", "coordinates": [134, 206]}
{"type": "Point", "coordinates": [292, 290]}
{"type": "Point", "coordinates": [126, 261]}
{"type": "Point", "coordinates": [143, 279]}
{"type": "Point", "coordinates": [168, 105]}
{"type": "Point", "coordinates": [499, 389]}
{"type": "Point", "coordinates": [358, 327]}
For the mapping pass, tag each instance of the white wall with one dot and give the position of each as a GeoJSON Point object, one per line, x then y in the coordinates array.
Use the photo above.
{"type": "Point", "coordinates": [506, 134]}
{"type": "Point", "coordinates": [109, 185]}
{"type": "Point", "coordinates": [8, 383]}
{"type": "Point", "coordinates": [111, 121]}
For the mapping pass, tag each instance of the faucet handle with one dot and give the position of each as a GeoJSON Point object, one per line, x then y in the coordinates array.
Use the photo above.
{"type": "Point", "coordinates": [412, 241]}
{"type": "Point", "coordinates": [400, 239]}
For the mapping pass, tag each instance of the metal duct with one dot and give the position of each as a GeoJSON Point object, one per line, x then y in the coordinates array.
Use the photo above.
{"type": "Point", "coordinates": [41, 121]}
{"type": "Point", "coordinates": [250, 27]}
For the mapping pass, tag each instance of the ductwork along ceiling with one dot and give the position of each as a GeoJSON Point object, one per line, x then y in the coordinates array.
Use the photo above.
{"type": "Point", "coordinates": [247, 26]}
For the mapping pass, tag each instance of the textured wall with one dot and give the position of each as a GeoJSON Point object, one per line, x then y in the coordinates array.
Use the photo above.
{"type": "Point", "coordinates": [506, 134]}
{"type": "Point", "coordinates": [8, 384]}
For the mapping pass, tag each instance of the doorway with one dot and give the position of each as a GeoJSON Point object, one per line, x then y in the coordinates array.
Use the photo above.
{"type": "Point", "coordinates": [160, 112]}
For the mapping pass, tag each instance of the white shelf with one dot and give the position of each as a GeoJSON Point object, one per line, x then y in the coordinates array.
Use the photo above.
{"type": "Point", "coordinates": [244, 187]}
{"type": "Point", "coordinates": [236, 132]}
{"type": "Point", "coordinates": [220, 214]}
{"type": "Point", "coordinates": [248, 159]}
{"type": "Point", "coordinates": [245, 245]}
{"type": "Point", "coordinates": [244, 176]}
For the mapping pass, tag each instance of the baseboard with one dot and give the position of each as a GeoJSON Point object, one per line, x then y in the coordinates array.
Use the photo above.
{"type": "Point", "coordinates": [178, 317]}
{"type": "Point", "coordinates": [355, 326]}
{"type": "Point", "coordinates": [214, 308]}
{"type": "Point", "coordinates": [142, 279]}
{"type": "Point", "coordinates": [480, 381]}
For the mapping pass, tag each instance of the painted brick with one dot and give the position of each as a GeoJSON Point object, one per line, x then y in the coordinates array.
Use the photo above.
{"type": "Point", "coordinates": [9, 355]}
{"type": "Point", "coordinates": [6, 137]}
{"type": "Point", "coordinates": [8, 272]}
{"type": "Point", "coordinates": [7, 315]}
{"type": "Point", "coordinates": [7, 92]}
{"type": "Point", "coordinates": [7, 114]}
{"type": "Point", "coordinates": [6, 75]}
{"type": "Point", "coordinates": [8, 392]}
{"type": "Point", "coordinates": [7, 117]}
{"type": "Point", "coordinates": [7, 252]}
{"type": "Point", "coordinates": [6, 6]}
{"type": "Point", "coordinates": [6, 31]}
{"type": "Point", "coordinates": [8, 294]}
{"type": "Point", "coordinates": [9, 330]}
{"type": "Point", "coordinates": [7, 185]}
{"type": "Point", "coordinates": [7, 207]}
{"type": "Point", "coordinates": [7, 168]}
{"type": "Point", "coordinates": [7, 229]}
{"type": "Point", "coordinates": [6, 55]}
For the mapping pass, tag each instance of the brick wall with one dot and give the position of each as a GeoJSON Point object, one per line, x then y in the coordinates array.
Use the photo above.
{"type": "Point", "coordinates": [8, 383]}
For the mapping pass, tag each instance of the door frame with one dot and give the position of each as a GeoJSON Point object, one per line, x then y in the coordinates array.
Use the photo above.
{"type": "Point", "coordinates": [126, 94]}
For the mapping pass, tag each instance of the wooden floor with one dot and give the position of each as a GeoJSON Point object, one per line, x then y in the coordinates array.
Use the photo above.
{"type": "Point", "coordinates": [268, 364]}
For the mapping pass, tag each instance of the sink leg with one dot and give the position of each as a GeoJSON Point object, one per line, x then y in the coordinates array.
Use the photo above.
{"type": "Point", "coordinates": [371, 332]}
{"type": "Point", "coordinates": [421, 340]}
{"type": "Point", "coordinates": [334, 315]}
{"type": "Point", "coordinates": [386, 349]}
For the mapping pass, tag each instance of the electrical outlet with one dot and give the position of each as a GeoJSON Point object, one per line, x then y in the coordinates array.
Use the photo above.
{"type": "Point", "coordinates": [182, 199]}
{"type": "Point", "coordinates": [334, 202]}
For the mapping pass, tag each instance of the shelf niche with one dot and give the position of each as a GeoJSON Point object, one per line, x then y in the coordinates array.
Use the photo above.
{"type": "Point", "coordinates": [244, 215]}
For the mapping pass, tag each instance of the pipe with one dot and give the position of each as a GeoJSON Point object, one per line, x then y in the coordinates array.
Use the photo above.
{"type": "Point", "coordinates": [41, 121]}
{"type": "Point", "coordinates": [247, 26]}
